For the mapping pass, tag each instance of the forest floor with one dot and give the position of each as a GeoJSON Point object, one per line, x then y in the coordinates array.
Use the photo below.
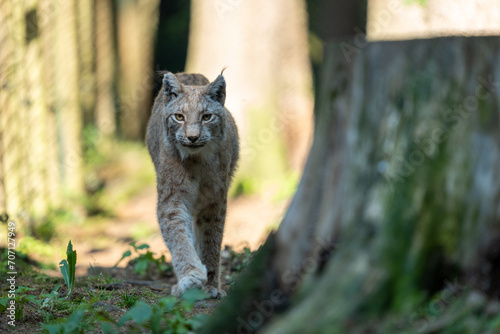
{"type": "Point", "coordinates": [106, 291]}
{"type": "Point", "coordinates": [113, 299]}
{"type": "Point", "coordinates": [101, 243]}
{"type": "Point", "coordinates": [117, 220]}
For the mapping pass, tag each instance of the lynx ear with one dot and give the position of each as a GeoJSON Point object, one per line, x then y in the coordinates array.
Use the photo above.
{"type": "Point", "coordinates": [171, 86]}
{"type": "Point", "coordinates": [217, 90]}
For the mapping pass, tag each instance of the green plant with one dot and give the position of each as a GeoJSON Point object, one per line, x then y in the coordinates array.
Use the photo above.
{"type": "Point", "coordinates": [48, 298]}
{"type": "Point", "coordinates": [145, 260]}
{"type": "Point", "coordinates": [169, 315]}
{"type": "Point", "coordinates": [20, 300]}
{"type": "Point", "coordinates": [128, 299]}
{"type": "Point", "coordinates": [68, 267]}
{"type": "Point", "coordinates": [240, 260]}
{"type": "Point", "coordinates": [96, 290]}
{"type": "Point", "coordinates": [73, 324]}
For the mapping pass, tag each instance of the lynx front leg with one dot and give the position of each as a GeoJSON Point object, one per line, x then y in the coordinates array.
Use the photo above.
{"type": "Point", "coordinates": [209, 231]}
{"type": "Point", "coordinates": [175, 225]}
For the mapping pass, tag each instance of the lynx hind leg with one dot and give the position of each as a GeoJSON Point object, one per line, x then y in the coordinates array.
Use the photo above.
{"type": "Point", "coordinates": [209, 231]}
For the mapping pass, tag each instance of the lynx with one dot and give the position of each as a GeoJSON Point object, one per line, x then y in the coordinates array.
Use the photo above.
{"type": "Point", "coordinates": [193, 142]}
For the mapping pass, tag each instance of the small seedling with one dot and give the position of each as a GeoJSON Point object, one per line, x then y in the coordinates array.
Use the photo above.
{"type": "Point", "coordinates": [168, 316]}
{"type": "Point", "coordinates": [68, 267]}
{"type": "Point", "coordinates": [144, 261]}
{"type": "Point", "coordinates": [128, 299]}
{"type": "Point", "coordinates": [72, 324]}
{"type": "Point", "coordinates": [49, 297]}
{"type": "Point", "coordinates": [20, 300]}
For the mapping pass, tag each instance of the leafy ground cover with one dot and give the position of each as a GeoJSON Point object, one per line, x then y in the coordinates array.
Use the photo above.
{"type": "Point", "coordinates": [135, 298]}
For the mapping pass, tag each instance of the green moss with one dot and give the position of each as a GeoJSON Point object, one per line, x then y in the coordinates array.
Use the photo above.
{"type": "Point", "coordinates": [248, 290]}
{"type": "Point", "coordinates": [423, 222]}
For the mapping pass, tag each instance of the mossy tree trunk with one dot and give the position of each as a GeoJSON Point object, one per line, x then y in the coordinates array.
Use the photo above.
{"type": "Point", "coordinates": [400, 193]}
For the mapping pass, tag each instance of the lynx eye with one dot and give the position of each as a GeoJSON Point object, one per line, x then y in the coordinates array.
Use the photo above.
{"type": "Point", "coordinates": [179, 117]}
{"type": "Point", "coordinates": [206, 117]}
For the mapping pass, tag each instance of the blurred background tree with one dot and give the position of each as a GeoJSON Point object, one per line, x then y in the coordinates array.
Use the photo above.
{"type": "Point", "coordinates": [68, 66]}
{"type": "Point", "coordinates": [264, 46]}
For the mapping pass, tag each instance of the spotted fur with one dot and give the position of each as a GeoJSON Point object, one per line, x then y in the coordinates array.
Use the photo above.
{"type": "Point", "coordinates": [193, 142]}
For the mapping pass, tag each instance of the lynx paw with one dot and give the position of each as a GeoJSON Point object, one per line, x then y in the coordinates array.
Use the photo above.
{"type": "Point", "coordinates": [214, 292]}
{"type": "Point", "coordinates": [191, 281]}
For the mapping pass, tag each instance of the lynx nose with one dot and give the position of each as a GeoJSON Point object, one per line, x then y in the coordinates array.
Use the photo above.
{"type": "Point", "coordinates": [192, 139]}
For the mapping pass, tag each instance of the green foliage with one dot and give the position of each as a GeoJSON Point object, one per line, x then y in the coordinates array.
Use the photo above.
{"type": "Point", "coordinates": [448, 312]}
{"type": "Point", "coordinates": [86, 310]}
{"type": "Point", "coordinates": [248, 288]}
{"type": "Point", "coordinates": [167, 316]}
{"type": "Point", "coordinates": [92, 141]}
{"type": "Point", "coordinates": [20, 298]}
{"type": "Point", "coordinates": [108, 165]}
{"type": "Point", "coordinates": [145, 260]}
{"type": "Point", "coordinates": [242, 186]}
{"type": "Point", "coordinates": [31, 245]}
{"type": "Point", "coordinates": [316, 46]}
{"type": "Point", "coordinates": [73, 324]}
{"type": "Point", "coordinates": [68, 267]}
{"type": "Point", "coordinates": [422, 3]}
{"type": "Point", "coordinates": [128, 299]}
{"type": "Point", "coordinates": [240, 260]}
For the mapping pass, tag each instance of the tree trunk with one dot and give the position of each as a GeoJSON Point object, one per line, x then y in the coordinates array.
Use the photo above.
{"type": "Point", "coordinates": [105, 111]}
{"type": "Point", "coordinates": [268, 75]}
{"type": "Point", "coordinates": [28, 163]}
{"type": "Point", "coordinates": [66, 100]}
{"type": "Point", "coordinates": [86, 59]}
{"type": "Point", "coordinates": [137, 23]}
{"type": "Point", "coordinates": [399, 195]}
{"type": "Point", "coordinates": [40, 121]}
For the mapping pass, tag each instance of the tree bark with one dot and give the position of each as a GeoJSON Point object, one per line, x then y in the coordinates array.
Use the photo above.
{"type": "Point", "coordinates": [29, 175]}
{"type": "Point", "coordinates": [136, 24]}
{"type": "Point", "coordinates": [105, 110]}
{"type": "Point", "coordinates": [40, 122]}
{"type": "Point", "coordinates": [400, 192]}
{"type": "Point", "coordinates": [66, 100]}
{"type": "Point", "coordinates": [86, 32]}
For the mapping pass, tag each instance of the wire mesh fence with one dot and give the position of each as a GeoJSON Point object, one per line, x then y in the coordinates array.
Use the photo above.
{"type": "Point", "coordinates": [59, 61]}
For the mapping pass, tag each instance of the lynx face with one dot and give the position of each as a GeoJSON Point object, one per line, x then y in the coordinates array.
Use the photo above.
{"type": "Point", "coordinates": [193, 115]}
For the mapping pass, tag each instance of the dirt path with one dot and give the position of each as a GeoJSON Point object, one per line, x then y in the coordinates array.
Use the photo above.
{"type": "Point", "coordinates": [248, 223]}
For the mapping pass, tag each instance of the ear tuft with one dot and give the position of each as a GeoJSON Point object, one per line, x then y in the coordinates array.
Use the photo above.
{"type": "Point", "coordinates": [171, 86]}
{"type": "Point", "coordinates": [217, 90]}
